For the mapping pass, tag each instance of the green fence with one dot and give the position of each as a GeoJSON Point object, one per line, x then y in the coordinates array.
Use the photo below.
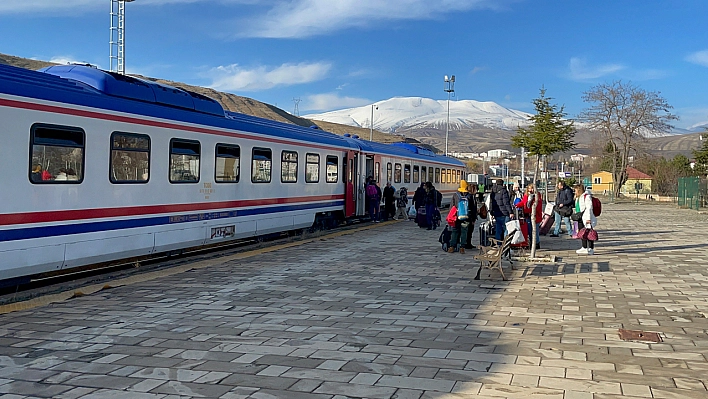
{"type": "Point", "coordinates": [692, 192]}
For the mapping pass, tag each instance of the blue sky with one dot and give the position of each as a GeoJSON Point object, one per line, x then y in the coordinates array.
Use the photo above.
{"type": "Point", "coordinates": [335, 54]}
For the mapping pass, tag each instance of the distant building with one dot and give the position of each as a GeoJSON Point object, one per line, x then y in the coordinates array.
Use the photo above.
{"type": "Point", "coordinates": [498, 153]}
{"type": "Point", "coordinates": [603, 182]}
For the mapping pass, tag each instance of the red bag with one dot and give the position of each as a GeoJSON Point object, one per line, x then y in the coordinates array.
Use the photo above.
{"type": "Point", "coordinates": [452, 216]}
{"type": "Point", "coordinates": [587, 234]}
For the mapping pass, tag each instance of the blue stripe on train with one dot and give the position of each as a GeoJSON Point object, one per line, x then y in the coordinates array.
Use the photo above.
{"type": "Point", "coordinates": [92, 227]}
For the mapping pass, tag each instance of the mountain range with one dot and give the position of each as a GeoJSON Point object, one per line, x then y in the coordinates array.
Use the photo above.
{"type": "Point", "coordinates": [407, 113]}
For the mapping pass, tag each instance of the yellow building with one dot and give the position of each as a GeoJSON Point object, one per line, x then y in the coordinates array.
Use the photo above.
{"type": "Point", "coordinates": [637, 180]}
{"type": "Point", "coordinates": [602, 182]}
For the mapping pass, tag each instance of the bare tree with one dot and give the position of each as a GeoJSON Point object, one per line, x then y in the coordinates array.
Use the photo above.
{"type": "Point", "coordinates": [625, 114]}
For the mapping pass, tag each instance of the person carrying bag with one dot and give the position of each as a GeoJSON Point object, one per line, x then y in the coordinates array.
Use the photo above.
{"type": "Point", "coordinates": [586, 220]}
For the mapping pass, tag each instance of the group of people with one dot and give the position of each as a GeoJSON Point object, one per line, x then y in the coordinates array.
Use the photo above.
{"type": "Point", "coordinates": [427, 200]}
{"type": "Point", "coordinates": [579, 200]}
{"type": "Point", "coordinates": [576, 201]}
{"type": "Point", "coordinates": [395, 201]}
{"type": "Point", "coordinates": [503, 207]}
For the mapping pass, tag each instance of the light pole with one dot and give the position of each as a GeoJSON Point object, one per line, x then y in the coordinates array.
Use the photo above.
{"type": "Point", "coordinates": [449, 88]}
{"type": "Point", "coordinates": [371, 127]}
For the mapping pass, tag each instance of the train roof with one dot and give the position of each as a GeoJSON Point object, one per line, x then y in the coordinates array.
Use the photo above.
{"type": "Point", "coordinates": [91, 87]}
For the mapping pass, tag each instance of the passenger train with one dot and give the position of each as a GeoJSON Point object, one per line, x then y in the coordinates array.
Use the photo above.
{"type": "Point", "coordinates": [101, 167]}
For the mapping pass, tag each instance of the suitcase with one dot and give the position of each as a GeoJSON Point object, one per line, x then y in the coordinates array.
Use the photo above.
{"type": "Point", "coordinates": [546, 224]}
{"type": "Point", "coordinates": [420, 218]}
{"type": "Point", "coordinates": [486, 231]}
{"type": "Point", "coordinates": [525, 231]}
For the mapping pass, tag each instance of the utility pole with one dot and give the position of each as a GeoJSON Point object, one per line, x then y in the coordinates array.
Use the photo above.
{"type": "Point", "coordinates": [371, 127]}
{"type": "Point", "coordinates": [296, 111]}
{"type": "Point", "coordinates": [117, 38]}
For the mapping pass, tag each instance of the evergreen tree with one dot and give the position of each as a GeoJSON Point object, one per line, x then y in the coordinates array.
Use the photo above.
{"type": "Point", "coordinates": [701, 156]}
{"type": "Point", "coordinates": [548, 134]}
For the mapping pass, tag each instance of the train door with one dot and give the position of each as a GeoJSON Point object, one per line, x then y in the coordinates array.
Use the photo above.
{"type": "Point", "coordinates": [350, 183]}
{"type": "Point", "coordinates": [369, 168]}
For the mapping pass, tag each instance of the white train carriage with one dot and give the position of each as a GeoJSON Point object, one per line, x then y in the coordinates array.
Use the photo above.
{"type": "Point", "coordinates": [103, 167]}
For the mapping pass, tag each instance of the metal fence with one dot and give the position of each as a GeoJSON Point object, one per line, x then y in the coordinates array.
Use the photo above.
{"type": "Point", "coordinates": [692, 192]}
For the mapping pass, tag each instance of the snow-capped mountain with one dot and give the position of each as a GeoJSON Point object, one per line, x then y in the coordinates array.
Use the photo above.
{"type": "Point", "coordinates": [417, 112]}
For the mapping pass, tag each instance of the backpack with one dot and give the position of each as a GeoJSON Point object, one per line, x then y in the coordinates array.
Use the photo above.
{"type": "Point", "coordinates": [371, 191]}
{"type": "Point", "coordinates": [445, 237]}
{"type": "Point", "coordinates": [596, 207]}
{"type": "Point", "coordinates": [402, 197]}
{"type": "Point", "coordinates": [463, 208]}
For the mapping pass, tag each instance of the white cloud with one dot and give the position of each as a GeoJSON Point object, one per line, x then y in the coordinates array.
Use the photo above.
{"type": "Point", "coordinates": [234, 77]}
{"type": "Point", "coordinates": [305, 18]}
{"type": "Point", "coordinates": [699, 57]}
{"type": "Point", "coordinates": [330, 101]}
{"type": "Point", "coordinates": [580, 70]}
{"type": "Point", "coordinates": [477, 69]}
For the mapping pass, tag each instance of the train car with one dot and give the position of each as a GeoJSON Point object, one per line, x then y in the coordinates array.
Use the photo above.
{"type": "Point", "coordinates": [102, 167]}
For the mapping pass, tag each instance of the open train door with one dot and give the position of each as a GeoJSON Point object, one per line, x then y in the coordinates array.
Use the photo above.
{"type": "Point", "coordinates": [350, 181]}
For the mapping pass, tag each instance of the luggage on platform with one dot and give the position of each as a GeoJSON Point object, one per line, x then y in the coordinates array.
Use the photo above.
{"type": "Point", "coordinates": [525, 231]}
{"type": "Point", "coordinates": [546, 224]}
{"type": "Point", "coordinates": [420, 218]}
{"type": "Point", "coordinates": [486, 231]}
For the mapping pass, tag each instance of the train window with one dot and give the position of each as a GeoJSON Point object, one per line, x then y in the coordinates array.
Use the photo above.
{"type": "Point", "coordinates": [430, 174]}
{"type": "Point", "coordinates": [312, 168]}
{"type": "Point", "coordinates": [377, 171]}
{"type": "Point", "coordinates": [389, 172]}
{"type": "Point", "coordinates": [350, 171]}
{"type": "Point", "coordinates": [397, 173]}
{"type": "Point", "coordinates": [423, 173]}
{"type": "Point", "coordinates": [416, 173]}
{"type": "Point", "coordinates": [228, 163]}
{"type": "Point", "coordinates": [437, 175]}
{"type": "Point", "coordinates": [57, 154]}
{"type": "Point", "coordinates": [332, 169]}
{"type": "Point", "coordinates": [261, 165]}
{"type": "Point", "coordinates": [130, 158]}
{"type": "Point", "coordinates": [406, 173]}
{"type": "Point", "coordinates": [448, 176]}
{"type": "Point", "coordinates": [288, 167]}
{"type": "Point", "coordinates": [184, 161]}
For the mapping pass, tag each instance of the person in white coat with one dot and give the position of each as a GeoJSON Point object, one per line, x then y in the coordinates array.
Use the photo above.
{"type": "Point", "coordinates": [583, 203]}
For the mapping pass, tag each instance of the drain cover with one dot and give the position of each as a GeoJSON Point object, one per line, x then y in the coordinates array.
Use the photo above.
{"type": "Point", "coordinates": [636, 335]}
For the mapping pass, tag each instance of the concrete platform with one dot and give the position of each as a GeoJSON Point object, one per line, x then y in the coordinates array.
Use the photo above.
{"type": "Point", "coordinates": [384, 313]}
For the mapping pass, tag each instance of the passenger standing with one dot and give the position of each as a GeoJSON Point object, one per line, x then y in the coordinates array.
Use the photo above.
{"type": "Point", "coordinates": [431, 200]}
{"type": "Point", "coordinates": [401, 204]}
{"type": "Point", "coordinates": [564, 203]}
{"type": "Point", "coordinates": [373, 196]}
{"type": "Point", "coordinates": [583, 203]}
{"type": "Point", "coordinates": [389, 201]}
{"type": "Point", "coordinates": [516, 194]}
{"type": "Point", "coordinates": [419, 197]}
{"type": "Point", "coordinates": [472, 190]}
{"type": "Point", "coordinates": [461, 202]}
{"type": "Point", "coordinates": [526, 205]}
{"type": "Point", "coordinates": [501, 208]}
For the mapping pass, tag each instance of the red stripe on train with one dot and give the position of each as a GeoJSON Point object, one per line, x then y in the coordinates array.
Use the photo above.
{"type": "Point", "coordinates": [83, 214]}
